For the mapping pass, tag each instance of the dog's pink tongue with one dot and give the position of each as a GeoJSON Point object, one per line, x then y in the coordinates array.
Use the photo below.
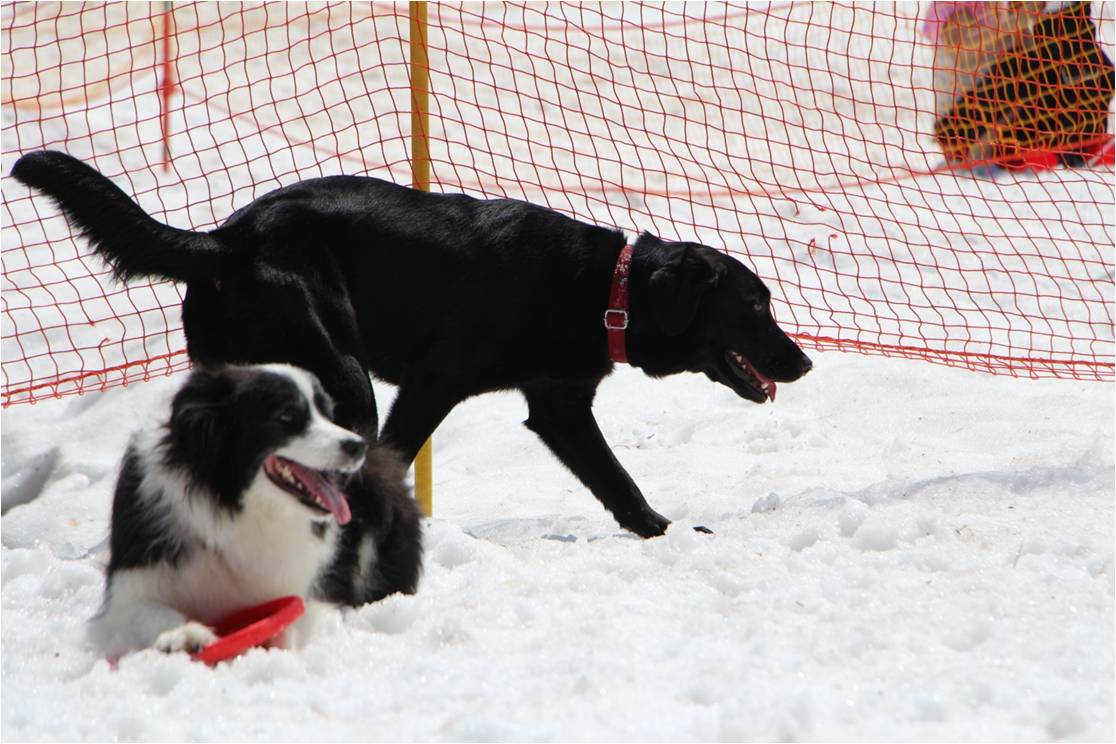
{"type": "Point", "coordinates": [328, 493]}
{"type": "Point", "coordinates": [767, 385]}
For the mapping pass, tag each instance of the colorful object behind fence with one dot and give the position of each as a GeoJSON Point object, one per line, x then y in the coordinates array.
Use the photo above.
{"type": "Point", "coordinates": [1014, 82]}
{"type": "Point", "coordinates": [250, 627]}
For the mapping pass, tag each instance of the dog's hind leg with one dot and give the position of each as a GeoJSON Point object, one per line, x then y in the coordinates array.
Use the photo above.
{"type": "Point", "coordinates": [260, 322]}
{"type": "Point", "coordinates": [398, 565]}
{"type": "Point", "coordinates": [341, 362]}
{"type": "Point", "coordinates": [562, 416]}
{"type": "Point", "coordinates": [330, 347]}
{"type": "Point", "coordinates": [345, 378]}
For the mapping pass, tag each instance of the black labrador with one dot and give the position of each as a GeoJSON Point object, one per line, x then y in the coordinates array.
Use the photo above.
{"type": "Point", "coordinates": [446, 296]}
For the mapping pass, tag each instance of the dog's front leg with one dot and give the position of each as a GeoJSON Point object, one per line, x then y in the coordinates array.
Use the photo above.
{"type": "Point", "coordinates": [421, 404]}
{"type": "Point", "coordinates": [128, 622]}
{"type": "Point", "coordinates": [190, 637]}
{"type": "Point", "coordinates": [562, 416]}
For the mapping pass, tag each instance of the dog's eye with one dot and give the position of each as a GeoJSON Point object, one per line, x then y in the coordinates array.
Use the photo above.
{"type": "Point", "coordinates": [286, 417]}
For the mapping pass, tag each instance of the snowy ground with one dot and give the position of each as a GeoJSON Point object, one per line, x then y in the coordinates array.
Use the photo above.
{"type": "Point", "coordinates": [902, 551]}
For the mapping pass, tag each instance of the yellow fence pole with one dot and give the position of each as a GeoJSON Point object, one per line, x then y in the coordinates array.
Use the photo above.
{"type": "Point", "coordinates": [420, 179]}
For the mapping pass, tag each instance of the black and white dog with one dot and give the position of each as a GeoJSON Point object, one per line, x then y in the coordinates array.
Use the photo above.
{"type": "Point", "coordinates": [239, 499]}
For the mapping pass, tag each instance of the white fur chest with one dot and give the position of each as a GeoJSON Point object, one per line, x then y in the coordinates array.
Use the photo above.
{"type": "Point", "coordinates": [269, 549]}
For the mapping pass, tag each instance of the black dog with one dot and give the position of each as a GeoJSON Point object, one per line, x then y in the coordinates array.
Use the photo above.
{"type": "Point", "coordinates": [446, 296]}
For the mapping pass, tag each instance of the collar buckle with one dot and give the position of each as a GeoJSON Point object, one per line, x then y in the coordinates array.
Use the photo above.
{"type": "Point", "coordinates": [616, 320]}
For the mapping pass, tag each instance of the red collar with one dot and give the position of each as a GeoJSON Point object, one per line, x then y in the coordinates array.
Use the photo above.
{"type": "Point", "coordinates": [616, 316]}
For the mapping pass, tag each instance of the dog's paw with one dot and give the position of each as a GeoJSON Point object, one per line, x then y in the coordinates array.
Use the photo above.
{"type": "Point", "coordinates": [190, 637]}
{"type": "Point", "coordinates": [647, 524]}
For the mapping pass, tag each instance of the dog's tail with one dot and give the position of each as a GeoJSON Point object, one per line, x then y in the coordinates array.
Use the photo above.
{"type": "Point", "coordinates": [126, 237]}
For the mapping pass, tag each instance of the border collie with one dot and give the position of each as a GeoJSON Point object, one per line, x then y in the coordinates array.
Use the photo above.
{"type": "Point", "coordinates": [244, 495]}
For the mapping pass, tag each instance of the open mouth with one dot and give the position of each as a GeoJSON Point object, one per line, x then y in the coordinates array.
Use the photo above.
{"type": "Point", "coordinates": [762, 388]}
{"type": "Point", "coordinates": [314, 489]}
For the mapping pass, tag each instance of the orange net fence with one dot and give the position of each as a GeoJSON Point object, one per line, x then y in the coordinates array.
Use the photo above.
{"type": "Point", "coordinates": [931, 182]}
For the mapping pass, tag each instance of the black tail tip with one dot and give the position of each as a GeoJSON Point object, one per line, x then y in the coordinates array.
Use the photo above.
{"type": "Point", "coordinates": [26, 165]}
{"type": "Point", "coordinates": [33, 163]}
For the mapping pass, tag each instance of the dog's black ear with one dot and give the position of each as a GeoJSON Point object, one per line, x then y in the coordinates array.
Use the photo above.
{"type": "Point", "coordinates": [196, 413]}
{"type": "Point", "coordinates": [676, 288]}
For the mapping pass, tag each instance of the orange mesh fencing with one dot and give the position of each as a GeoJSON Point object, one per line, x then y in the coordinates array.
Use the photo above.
{"type": "Point", "coordinates": [935, 187]}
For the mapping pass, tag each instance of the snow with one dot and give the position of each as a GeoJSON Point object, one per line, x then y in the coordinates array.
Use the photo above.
{"type": "Point", "coordinates": [901, 551]}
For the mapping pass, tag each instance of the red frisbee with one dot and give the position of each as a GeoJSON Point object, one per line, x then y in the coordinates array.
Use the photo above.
{"type": "Point", "coordinates": [1102, 152]}
{"type": "Point", "coordinates": [250, 627]}
{"type": "Point", "coordinates": [1037, 160]}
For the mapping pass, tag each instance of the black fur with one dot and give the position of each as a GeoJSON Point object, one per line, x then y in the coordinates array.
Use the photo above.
{"type": "Point", "coordinates": [123, 234]}
{"type": "Point", "coordinates": [136, 538]}
{"type": "Point", "coordinates": [446, 296]}
{"type": "Point", "coordinates": [394, 521]}
{"type": "Point", "coordinates": [225, 422]}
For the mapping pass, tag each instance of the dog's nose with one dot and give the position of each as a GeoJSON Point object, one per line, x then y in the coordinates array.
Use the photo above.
{"type": "Point", "coordinates": [807, 364]}
{"type": "Point", "coordinates": [353, 447]}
